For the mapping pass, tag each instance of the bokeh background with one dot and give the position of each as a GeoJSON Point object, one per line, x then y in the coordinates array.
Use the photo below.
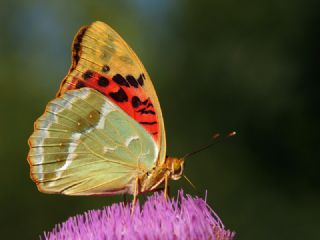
{"type": "Point", "coordinates": [217, 65]}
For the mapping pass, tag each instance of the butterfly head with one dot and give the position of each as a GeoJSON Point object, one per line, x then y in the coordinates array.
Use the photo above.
{"type": "Point", "coordinates": [175, 166]}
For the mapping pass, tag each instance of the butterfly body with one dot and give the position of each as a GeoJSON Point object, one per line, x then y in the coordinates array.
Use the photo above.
{"type": "Point", "coordinates": [172, 168]}
{"type": "Point", "coordinates": [104, 133]}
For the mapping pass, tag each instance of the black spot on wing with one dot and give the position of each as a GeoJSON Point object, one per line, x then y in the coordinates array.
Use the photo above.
{"type": "Point", "coordinates": [76, 58]}
{"type": "Point", "coordinates": [135, 101]}
{"type": "Point", "coordinates": [119, 96]}
{"type": "Point", "coordinates": [81, 34]}
{"type": "Point", "coordinates": [87, 75]}
{"type": "Point", "coordinates": [140, 79]}
{"type": "Point", "coordinates": [76, 46]}
{"type": "Point", "coordinates": [118, 78]}
{"type": "Point", "coordinates": [144, 111]}
{"type": "Point", "coordinates": [80, 85]}
{"type": "Point", "coordinates": [105, 68]}
{"type": "Point", "coordinates": [148, 123]}
{"type": "Point", "coordinates": [103, 82]}
{"type": "Point", "coordinates": [132, 81]}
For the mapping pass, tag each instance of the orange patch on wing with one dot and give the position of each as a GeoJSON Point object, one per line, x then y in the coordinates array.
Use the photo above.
{"type": "Point", "coordinates": [127, 93]}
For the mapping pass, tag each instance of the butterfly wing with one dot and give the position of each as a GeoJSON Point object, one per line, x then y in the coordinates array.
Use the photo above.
{"type": "Point", "coordinates": [84, 144]}
{"type": "Point", "coordinates": [102, 60]}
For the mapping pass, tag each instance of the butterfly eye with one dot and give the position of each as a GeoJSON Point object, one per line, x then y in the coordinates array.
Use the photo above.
{"type": "Point", "coordinates": [177, 167]}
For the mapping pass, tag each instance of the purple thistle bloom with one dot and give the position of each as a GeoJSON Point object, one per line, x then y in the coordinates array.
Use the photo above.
{"type": "Point", "coordinates": [186, 217]}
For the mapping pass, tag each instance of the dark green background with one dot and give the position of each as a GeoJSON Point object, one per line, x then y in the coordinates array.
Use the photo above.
{"type": "Point", "coordinates": [219, 65]}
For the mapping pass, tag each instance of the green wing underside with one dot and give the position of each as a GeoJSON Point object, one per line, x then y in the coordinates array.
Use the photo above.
{"type": "Point", "coordinates": [84, 145]}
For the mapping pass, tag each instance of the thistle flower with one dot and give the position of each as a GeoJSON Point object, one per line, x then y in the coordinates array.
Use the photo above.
{"type": "Point", "coordinates": [185, 217]}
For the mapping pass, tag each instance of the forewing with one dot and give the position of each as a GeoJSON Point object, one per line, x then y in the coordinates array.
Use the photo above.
{"type": "Point", "coordinates": [84, 144]}
{"type": "Point", "coordinates": [102, 60]}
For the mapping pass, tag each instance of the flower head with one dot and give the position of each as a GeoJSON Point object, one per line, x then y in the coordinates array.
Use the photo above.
{"type": "Point", "coordinates": [183, 218]}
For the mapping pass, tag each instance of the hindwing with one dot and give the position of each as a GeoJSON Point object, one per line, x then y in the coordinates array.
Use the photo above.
{"type": "Point", "coordinates": [85, 144]}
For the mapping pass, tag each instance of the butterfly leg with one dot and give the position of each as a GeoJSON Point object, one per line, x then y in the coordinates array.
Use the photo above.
{"type": "Point", "coordinates": [135, 194]}
{"type": "Point", "coordinates": [125, 199]}
{"type": "Point", "coordinates": [168, 191]}
{"type": "Point", "coordinates": [166, 187]}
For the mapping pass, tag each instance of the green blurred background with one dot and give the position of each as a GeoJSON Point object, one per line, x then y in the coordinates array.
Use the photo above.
{"type": "Point", "coordinates": [219, 65]}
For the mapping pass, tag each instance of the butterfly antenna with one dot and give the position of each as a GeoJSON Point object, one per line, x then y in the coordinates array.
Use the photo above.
{"type": "Point", "coordinates": [189, 181]}
{"type": "Point", "coordinates": [215, 139]}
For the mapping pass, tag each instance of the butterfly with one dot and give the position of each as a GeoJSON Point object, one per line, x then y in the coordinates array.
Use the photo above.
{"type": "Point", "coordinates": [104, 133]}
